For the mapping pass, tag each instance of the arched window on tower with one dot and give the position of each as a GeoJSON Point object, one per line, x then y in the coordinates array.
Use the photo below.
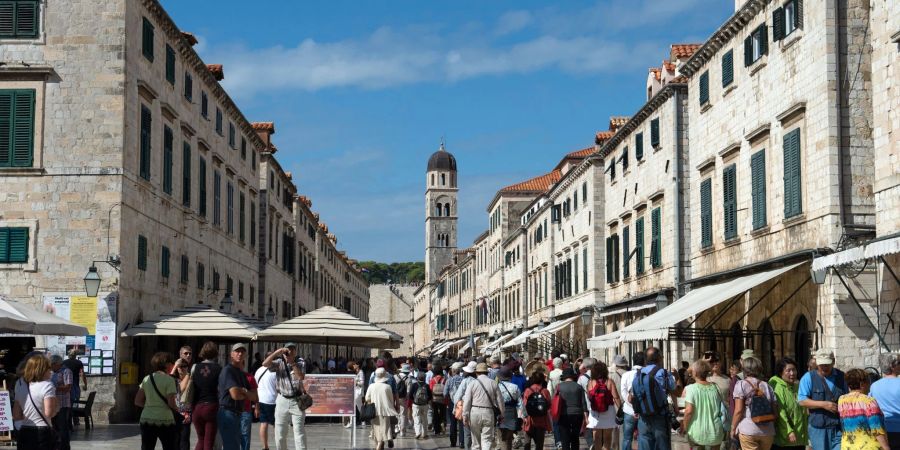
{"type": "Point", "coordinates": [432, 179]}
{"type": "Point", "coordinates": [438, 210]}
{"type": "Point", "coordinates": [447, 209]}
{"type": "Point", "coordinates": [443, 179]}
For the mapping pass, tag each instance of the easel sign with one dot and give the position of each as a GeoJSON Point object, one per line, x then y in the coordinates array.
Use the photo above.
{"type": "Point", "coordinates": [6, 420]}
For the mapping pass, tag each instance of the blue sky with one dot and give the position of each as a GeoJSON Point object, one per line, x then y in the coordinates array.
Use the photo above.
{"type": "Point", "coordinates": [362, 91]}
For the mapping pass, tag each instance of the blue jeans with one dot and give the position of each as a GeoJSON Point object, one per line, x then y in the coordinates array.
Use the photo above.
{"type": "Point", "coordinates": [824, 438]}
{"type": "Point", "coordinates": [628, 431]}
{"type": "Point", "coordinates": [246, 426]}
{"type": "Point", "coordinates": [229, 424]}
{"type": "Point", "coordinates": [654, 433]}
{"type": "Point", "coordinates": [555, 432]}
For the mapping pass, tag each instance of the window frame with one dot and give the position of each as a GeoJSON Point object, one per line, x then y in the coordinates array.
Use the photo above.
{"type": "Point", "coordinates": [16, 34]}
{"type": "Point", "coordinates": [147, 38]}
{"type": "Point", "coordinates": [12, 119]}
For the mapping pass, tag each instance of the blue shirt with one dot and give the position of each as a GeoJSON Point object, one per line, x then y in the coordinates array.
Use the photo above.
{"type": "Point", "coordinates": [230, 377]}
{"type": "Point", "coordinates": [806, 385]}
{"type": "Point", "coordinates": [886, 392]}
{"type": "Point", "coordinates": [663, 377]}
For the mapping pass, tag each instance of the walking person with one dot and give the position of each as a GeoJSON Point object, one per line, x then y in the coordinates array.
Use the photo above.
{"type": "Point", "coordinates": [573, 419]}
{"type": "Point", "coordinates": [536, 417]}
{"type": "Point", "coordinates": [381, 395]}
{"type": "Point", "coordinates": [251, 411]}
{"type": "Point", "coordinates": [469, 376]}
{"type": "Point", "coordinates": [604, 401]}
{"type": "Point", "coordinates": [791, 423]}
{"type": "Point", "coordinates": [584, 366]}
{"type": "Point", "coordinates": [78, 375]}
{"type": "Point", "coordinates": [181, 372]}
{"type": "Point", "coordinates": [553, 380]}
{"type": "Point", "coordinates": [35, 405]}
{"type": "Point", "coordinates": [481, 399]}
{"type": "Point", "coordinates": [704, 410]}
{"type": "Point", "coordinates": [402, 380]}
{"type": "Point", "coordinates": [620, 366]}
{"type": "Point", "coordinates": [861, 419]}
{"type": "Point", "coordinates": [753, 425]}
{"type": "Point", "coordinates": [629, 417]}
{"type": "Point", "coordinates": [289, 375]}
{"type": "Point", "coordinates": [886, 392]}
{"type": "Point", "coordinates": [511, 409]}
{"type": "Point", "coordinates": [438, 385]}
{"type": "Point", "coordinates": [455, 432]}
{"type": "Point", "coordinates": [234, 390]}
{"type": "Point", "coordinates": [205, 378]}
{"type": "Point", "coordinates": [652, 385]}
{"type": "Point", "coordinates": [267, 393]}
{"type": "Point", "coordinates": [156, 396]}
{"type": "Point", "coordinates": [63, 380]}
{"type": "Point", "coordinates": [819, 392]}
{"type": "Point", "coordinates": [419, 399]}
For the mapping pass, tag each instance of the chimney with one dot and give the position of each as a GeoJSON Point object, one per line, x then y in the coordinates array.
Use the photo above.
{"type": "Point", "coordinates": [189, 37]}
{"type": "Point", "coordinates": [216, 70]}
{"type": "Point", "coordinates": [265, 130]}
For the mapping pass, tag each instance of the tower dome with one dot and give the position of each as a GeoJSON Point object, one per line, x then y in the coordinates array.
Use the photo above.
{"type": "Point", "coordinates": [442, 160]}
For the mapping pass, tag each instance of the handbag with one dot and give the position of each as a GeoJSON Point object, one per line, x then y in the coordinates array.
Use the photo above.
{"type": "Point", "coordinates": [304, 400]}
{"type": "Point", "coordinates": [458, 410]}
{"type": "Point", "coordinates": [175, 414]}
{"type": "Point", "coordinates": [54, 435]}
{"type": "Point", "coordinates": [367, 413]}
{"type": "Point", "coordinates": [557, 406]}
{"type": "Point", "coordinates": [187, 396]}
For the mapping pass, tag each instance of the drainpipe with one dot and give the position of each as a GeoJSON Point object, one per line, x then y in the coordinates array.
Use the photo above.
{"type": "Point", "coordinates": [839, 105]}
{"type": "Point", "coordinates": [677, 214]}
{"type": "Point", "coordinates": [524, 277]}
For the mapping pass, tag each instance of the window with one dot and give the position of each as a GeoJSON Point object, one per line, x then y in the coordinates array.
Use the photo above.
{"type": "Point", "coordinates": [19, 19]}
{"type": "Point", "coordinates": [231, 140]}
{"type": "Point", "coordinates": [147, 40]}
{"type": "Point", "coordinates": [729, 202]}
{"type": "Point", "coordinates": [758, 188]}
{"type": "Point", "coordinates": [639, 246]}
{"type": "Point", "coordinates": [201, 275]}
{"type": "Point", "coordinates": [626, 266]}
{"type": "Point", "coordinates": [639, 146]}
{"type": "Point", "coordinates": [624, 159]}
{"type": "Point", "coordinates": [787, 19]}
{"type": "Point", "coordinates": [170, 64]}
{"type": "Point", "coordinates": [654, 133]}
{"type": "Point", "coordinates": [201, 190]}
{"type": "Point", "coordinates": [706, 213]}
{"type": "Point", "coordinates": [217, 198]}
{"type": "Point", "coordinates": [229, 199]}
{"type": "Point", "coordinates": [183, 278]}
{"type": "Point", "coordinates": [655, 238]}
{"type": "Point", "coordinates": [584, 267]}
{"type": "Point", "coordinates": [704, 88]}
{"type": "Point", "coordinates": [792, 190]}
{"type": "Point", "coordinates": [756, 45]}
{"type": "Point", "coordinates": [186, 174]}
{"type": "Point", "coordinates": [13, 245]}
{"type": "Point", "coordinates": [575, 272]}
{"type": "Point", "coordinates": [164, 262]}
{"type": "Point", "coordinates": [252, 224]}
{"type": "Point", "coordinates": [727, 68]}
{"type": "Point", "coordinates": [612, 169]}
{"type": "Point", "coordinates": [612, 259]}
{"type": "Point", "coordinates": [243, 148]}
{"type": "Point", "coordinates": [584, 193]}
{"type": "Point", "coordinates": [188, 87]}
{"type": "Point", "coordinates": [146, 123]}
{"type": "Point", "coordinates": [575, 200]}
{"type": "Point", "coordinates": [241, 217]}
{"type": "Point", "coordinates": [218, 121]}
{"type": "Point", "coordinates": [142, 253]}
{"type": "Point", "coordinates": [167, 160]}
{"type": "Point", "coordinates": [204, 105]}
{"type": "Point", "coordinates": [17, 127]}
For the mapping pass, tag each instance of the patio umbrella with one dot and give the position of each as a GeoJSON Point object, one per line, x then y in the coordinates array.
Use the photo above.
{"type": "Point", "coordinates": [19, 318]}
{"type": "Point", "coordinates": [197, 321]}
{"type": "Point", "coordinates": [331, 326]}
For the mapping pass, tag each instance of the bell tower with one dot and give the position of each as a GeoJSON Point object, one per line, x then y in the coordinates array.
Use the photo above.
{"type": "Point", "coordinates": [440, 212]}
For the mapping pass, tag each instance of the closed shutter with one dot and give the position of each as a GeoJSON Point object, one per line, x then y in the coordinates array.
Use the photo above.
{"type": "Point", "coordinates": [704, 87]}
{"type": "Point", "coordinates": [14, 245]}
{"type": "Point", "coordinates": [142, 253]}
{"type": "Point", "coordinates": [201, 190]}
{"type": "Point", "coordinates": [609, 261]}
{"type": "Point", "coordinates": [639, 146]}
{"type": "Point", "coordinates": [147, 40]}
{"type": "Point", "coordinates": [6, 127]}
{"type": "Point", "coordinates": [727, 68]}
{"type": "Point", "coordinates": [170, 64]}
{"type": "Point", "coordinates": [792, 191]}
{"type": "Point", "coordinates": [167, 160]}
{"type": "Point", "coordinates": [656, 238]}
{"type": "Point", "coordinates": [625, 159]}
{"type": "Point", "coordinates": [706, 213]}
{"type": "Point", "coordinates": [729, 204]}
{"type": "Point", "coordinates": [188, 86]}
{"type": "Point", "coordinates": [186, 175]}
{"type": "Point", "coordinates": [615, 241]}
{"type": "Point", "coordinates": [164, 262]}
{"type": "Point", "coordinates": [184, 269]}
{"type": "Point", "coordinates": [763, 31]}
{"type": "Point", "coordinates": [4, 245]}
{"type": "Point", "coordinates": [778, 25]}
{"type": "Point", "coordinates": [626, 266]}
{"type": "Point", "coordinates": [146, 123]}
{"type": "Point", "coordinates": [584, 267]}
{"type": "Point", "coordinates": [758, 184]}
{"type": "Point", "coordinates": [241, 216]}
{"type": "Point", "coordinates": [654, 133]}
{"type": "Point", "coordinates": [798, 13]}
{"type": "Point", "coordinates": [639, 245]}
{"type": "Point", "coordinates": [19, 19]}
{"type": "Point", "coordinates": [16, 128]}
{"type": "Point", "coordinates": [748, 50]}
{"type": "Point", "coordinates": [7, 19]}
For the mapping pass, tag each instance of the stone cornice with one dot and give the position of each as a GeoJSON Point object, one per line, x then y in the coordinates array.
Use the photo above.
{"type": "Point", "coordinates": [722, 36]}
{"type": "Point", "coordinates": [640, 116]}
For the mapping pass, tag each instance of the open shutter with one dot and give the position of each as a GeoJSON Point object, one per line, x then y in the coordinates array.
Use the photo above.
{"type": "Point", "coordinates": [639, 146]}
{"type": "Point", "coordinates": [609, 260]}
{"type": "Point", "coordinates": [23, 128]}
{"type": "Point", "coordinates": [201, 187]}
{"type": "Point", "coordinates": [167, 160]}
{"type": "Point", "coordinates": [727, 68]}
{"type": "Point", "coordinates": [7, 18]}
{"type": "Point", "coordinates": [26, 19]}
{"type": "Point", "coordinates": [4, 245]}
{"type": "Point", "coordinates": [170, 64]}
{"type": "Point", "coordinates": [792, 191]}
{"type": "Point", "coordinates": [639, 245]}
{"type": "Point", "coordinates": [18, 245]}
{"type": "Point", "coordinates": [656, 249]}
{"type": "Point", "coordinates": [626, 269]}
{"type": "Point", "coordinates": [147, 39]}
{"type": "Point", "coordinates": [763, 31]}
{"type": "Point", "coordinates": [142, 253]}
{"type": "Point", "coordinates": [798, 14]}
{"type": "Point", "coordinates": [6, 128]}
{"type": "Point", "coordinates": [704, 87]}
{"type": "Point", "coordinates": [654, 132]}
{"type": "Point", "coordinates": [748, 50]}
{"type": "Point", "coordinates": [758, 183]}
{"type": "Point", "coordinates": [706, 213]}
{"type": "Point", "coordinates": [615, 241]}
{"type": "Point", "coordinates": [778, 25]}
{"type": "Point", "coordinates": [146, 123]}
{"type": "Point", "coordinates": [186, 174]}
{"type": "Point", "coordinates": [729, 201]}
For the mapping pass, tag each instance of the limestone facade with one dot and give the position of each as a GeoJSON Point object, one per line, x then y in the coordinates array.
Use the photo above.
{"type": "Point", "coordinates": [392, 309]}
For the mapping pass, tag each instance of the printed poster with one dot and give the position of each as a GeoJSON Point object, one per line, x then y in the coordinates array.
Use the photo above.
{"type": "Point", "coordinates": [332, 394]}
{"type": "Point", "coordinates": [98, 315]}
{"type": "Point", "coordinates": [83, 311]}
{"type": "Point", "coordinates": [105, 337]}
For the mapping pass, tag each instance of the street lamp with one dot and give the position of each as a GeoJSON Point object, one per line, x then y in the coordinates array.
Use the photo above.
{"type": "Point", "coordinates": [818, 275]}
{"type": "Point", "coordinates": [587, 316]}
{"type": "Point", "coordinates": [661, 301]}
{"type": "Point", "coordinates": [270, 315]}
{"type": "Point", "coordinates": [92, 282]}
{"type": "Point", "coordinates": [227, 303]}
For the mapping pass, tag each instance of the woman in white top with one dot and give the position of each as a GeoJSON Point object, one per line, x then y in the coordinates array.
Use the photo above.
{"type": "Point", "coordinates": [35, 405]}
{"type": "Point", "coordinates": [382, 396]}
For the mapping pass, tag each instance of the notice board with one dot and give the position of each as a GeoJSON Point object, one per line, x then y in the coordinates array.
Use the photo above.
{"type": "Point", "coordinates": [332, 394]}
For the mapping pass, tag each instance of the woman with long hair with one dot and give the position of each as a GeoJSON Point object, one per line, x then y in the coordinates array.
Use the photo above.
{"type": "Point", "coordinates": [156, 396]}
{"type": "Point", "coordinates": [205, 379]}
{"type": "Point", "coordinates": [602, 393]}
{"type": "Point", "coordinates": [35, 406]}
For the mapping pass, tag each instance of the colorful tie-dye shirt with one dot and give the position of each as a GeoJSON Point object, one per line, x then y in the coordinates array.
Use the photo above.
{"type": "Point", "coordinates": [861, 422]}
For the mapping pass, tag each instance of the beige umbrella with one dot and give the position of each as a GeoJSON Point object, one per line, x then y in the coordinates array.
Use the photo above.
{"type": "Point", "coordinates": [331, 326]}
{"type": "Point", "coordinates": [197, 321]}
{"type": "Point", "coordinates": [19, 318]}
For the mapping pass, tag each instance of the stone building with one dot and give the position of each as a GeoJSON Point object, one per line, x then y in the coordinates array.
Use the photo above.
{"type": "Point", "coordinates": [392, 309]}
{"type": "Point", "coordinates": [128, 152]}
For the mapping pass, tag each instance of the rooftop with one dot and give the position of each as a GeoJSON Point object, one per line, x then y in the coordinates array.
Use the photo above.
{"type": "Point", "coordinates": [537, 184]}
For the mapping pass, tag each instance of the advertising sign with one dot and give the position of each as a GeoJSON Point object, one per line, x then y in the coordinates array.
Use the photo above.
{"type": "Point", "coordinates": [332, 394]}
{"type": "Point", "coordinates": [6, 421]}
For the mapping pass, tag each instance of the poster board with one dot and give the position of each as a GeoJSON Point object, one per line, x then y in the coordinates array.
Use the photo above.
{"type": "Point", "coordinates": [332, 394]}
{"type": "Point", "coordinates": [98, 314]}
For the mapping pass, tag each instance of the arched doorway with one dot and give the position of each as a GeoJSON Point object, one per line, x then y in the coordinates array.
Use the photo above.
{"type": "Point", "coordinates": [767, 346]}
{"type": "Point", "coordinates": [802, 344]}
{"type": "Point", "coordinates": [737, 341]}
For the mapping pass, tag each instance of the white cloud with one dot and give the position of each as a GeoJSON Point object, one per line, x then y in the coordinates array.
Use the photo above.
{"type": "Point", "coordinates": [513, 21]}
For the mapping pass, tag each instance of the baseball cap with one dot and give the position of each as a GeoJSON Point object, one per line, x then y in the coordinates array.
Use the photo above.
{"type": "Point", "coordinates": [470, 367]}
{"type": "Point", "coordinates": [291, 345]}
{"type": "Point", "coordinates": [824, 356]}
{"type": "Point", "coordinates": [239, 346]}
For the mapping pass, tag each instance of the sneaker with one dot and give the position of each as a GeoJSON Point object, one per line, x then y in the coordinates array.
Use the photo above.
{"type": "Point", "coordinates": [391, 443]}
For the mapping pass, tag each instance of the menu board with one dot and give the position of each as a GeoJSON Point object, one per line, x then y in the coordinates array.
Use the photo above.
{"type": "Point", "coordinates": [6, 420]}
{"type": "Point", "coordinates": [332, 394]}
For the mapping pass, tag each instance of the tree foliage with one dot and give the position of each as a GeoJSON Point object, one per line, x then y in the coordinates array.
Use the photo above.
{"type": "Point", "coordinates": [397, 273]}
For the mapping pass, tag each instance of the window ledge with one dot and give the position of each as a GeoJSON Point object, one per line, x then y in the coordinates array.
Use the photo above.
{"type": "Point", "coordinates": [727, 89]}
{"type": "Point", "coordinates": [30, 266]}
{"type": "Point", "coordinates": [790, 39]}
{"type": "Point", "coordinates": [705, 106]}
{"type": "Point", "coordinates": [708, 250]}
{"type": "Point", "coordinates": [763, 230]}
{"type": "Point", "coordinates": [794, 220]}
{"type": "Point", "coordinates": [21, 171]}
{"type": "Point", "coordinates": [656, 147]}
{"type": "Point", "coordinates": [759, 64]}
{"type": "Point", "coordinates": [732, 241]}
{"type": "Point", "coordinates": [640, 161]}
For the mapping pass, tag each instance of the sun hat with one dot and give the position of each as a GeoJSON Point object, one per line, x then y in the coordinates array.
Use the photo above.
{"type": "Point", "coordinates": [404, 368]}
{"type": "Point", "coordinates": [239, 346]}
{"type": "Point", "coordinates": [470, 367]}
{"type": "Point", "coordinates": [380, 375]}
{"type": "Point", "coordinates": [620, 361]}
{"type": "Point", "coordinates": [456, 366]}
{"type": "Point", "coordinates": [481, 368]}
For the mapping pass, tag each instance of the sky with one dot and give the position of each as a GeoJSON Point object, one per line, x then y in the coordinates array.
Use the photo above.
{"type": "Point", "coordinates": [361, 93]}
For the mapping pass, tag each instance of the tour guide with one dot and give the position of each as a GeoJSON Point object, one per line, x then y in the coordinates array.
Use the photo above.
{"type": "Point", "coordinates": [289, 384]}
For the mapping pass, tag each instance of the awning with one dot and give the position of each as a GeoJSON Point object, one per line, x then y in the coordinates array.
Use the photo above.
{"type": "Point", "coordinates": [446, 346]}
{"type": "Point", "coordinates": [519, 340]}
{"type": "Point", "coordinates": [631, 307]}
{"type": "Point", "coordinates": [468, 344]}
{"type": "Point", "coordinates": [851, 255]}
{"type": "Point", "coordinates": [605, 341]}
{"type": "Point", "coordinates": [331, 326]}
{"type": "Point", "coordinates": [656, 326]}
{"type": "Point", "coordinates": [17, 317]}
{"type": "Point", "coordinates": [557, 326]}
{"type": "Point", "coordinates": [196, 321]}
{"type": "Point", "coordinates": [490, 347]}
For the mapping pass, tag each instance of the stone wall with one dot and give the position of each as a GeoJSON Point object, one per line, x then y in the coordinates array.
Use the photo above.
{"type": "Point", "coordinates": [392, 309]}
{"type": "Point", "coordinates": [885, 26]}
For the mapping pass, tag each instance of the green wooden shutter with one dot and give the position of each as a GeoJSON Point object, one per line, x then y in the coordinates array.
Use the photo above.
{"type": "Point", "coordinates": [164, 262]}
{"type": "Point", "coordinates": [167, 160]}
{"type": "Point", "coordinates": [763, 31]}
{"type": "Point", "coordinates": [201, 187]}
{"type": "Point", "coordinates": [656, 238]}
{"type": "Point", "coordinates": [706, 213]}
{"type": "Point", "coordinates": [798, 13]}
{"type": "Point", "coordinates": [184, 270]}
{"type": "Point", "coordinates": [639, 146]}
{"type": "Point", "coordinates": [4, 245]}
{"type": "Point", "coordinates": [729, 202]}
{"type": "Point", "coordinates": [7, 19]}
{"type": "Point", "coordinates": [624, 159]}
{"type": "Point", "coordinates": [6, 127]}
{"type": "Point", "coordinates": [27, 19]}
{"type": "Point", "coordinates": [626, 266]}
{"type": "Point", "coordinates": [609, 264]}
{"type": "Point", "coordinates": [748, 50]}
{"type": "Point", "coordinates": [654, 132]}
{"type": "Point", "coordinates": [14, 245]}
{"type": "Point", "coordinates": [727, 68]}
{"type": "Point", "coordinates": [615, 240]}
{"type": "Point", "coordinates": [146, 124]}
{"type": "Point", "coordinates": [704, 87]}
{"type": "Point", "coordinates": [170, 64]}
{"type": "Point", "coordinates": [793, 204]}
{"type": "Point", "coordinates": [23, 128]}
{"type": "Point", "coordinates": [142, 253]}
{"type": "Point", "coordinates": [186, 174]}
{"type": "Point", "coordinates": [778, 24]}
{"type": "Point", "coordinates": [147, 40]}
{"type": "Point", "coordinates": [639, 245]}
{"type": "Point", "coordinates": [758, 184]}
{"type": "Point", "coordinates": [241, 220]}
{"type": "Point", "coordinates": [188, 86]}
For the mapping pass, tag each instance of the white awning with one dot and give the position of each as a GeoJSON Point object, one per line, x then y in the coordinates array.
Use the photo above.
{"type": "Point", "coordinates": [331, 326]}
{"type": "Point", "coordinates": [851, 255]}
{"type": "Point", "coordinates": [196, 321]}
{"type": "Point", "coordinates": [468, 344]}
{"type": "Point", "coordinates": [639, 306]}
{"type": "Point", "coordinates": [490, 347]}
{"type": "Point", "coordinates": [557, 326]}
{"type": "Point", "coordinates": [519, 340]}
{"type": "Point", "coordinates": [656, 326]}
{"type": "Point", "coordinates": [605, 341]}
{"type": "Point", "coordinates": [446, 346]}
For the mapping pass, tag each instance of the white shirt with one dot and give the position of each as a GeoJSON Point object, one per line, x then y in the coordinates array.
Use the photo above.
{"type": "Point", "coordinates": [39, 391]}
{"type": "Point", "coordinates": [625, 390]}
{"type": "Point", "coordinates": [266, 386]}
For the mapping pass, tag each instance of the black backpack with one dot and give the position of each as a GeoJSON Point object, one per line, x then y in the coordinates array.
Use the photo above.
{"type": "Point", "coordinates": [537, 405]}
{"type": "Point", "coordinates": [401, 386]}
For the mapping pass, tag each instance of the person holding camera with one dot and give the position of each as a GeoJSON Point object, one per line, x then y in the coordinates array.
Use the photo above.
{"type": "Point", "coordinates": [289, 376]}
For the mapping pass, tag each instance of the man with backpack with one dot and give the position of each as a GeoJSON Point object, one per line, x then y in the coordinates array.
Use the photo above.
{"type": "Point", "coordinates": [419, 398]}
{"type": "Point", "coordinates": [268, 392]}
{"type": "Point", "coordinates": [439, 401]}
{"type": "Point", "coordinates": [402, 380]}
{"type": "Point", "coordinates": [649, 392]}
{"type": "Point", "coordinates": [819, 392]}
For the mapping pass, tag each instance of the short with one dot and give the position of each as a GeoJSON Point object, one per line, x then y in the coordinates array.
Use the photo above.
{"type": "Point", "coordinates": [267, 413]}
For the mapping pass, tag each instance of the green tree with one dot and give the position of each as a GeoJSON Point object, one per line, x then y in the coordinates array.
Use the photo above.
{"type": "Point", "coordinates": [400, 272]}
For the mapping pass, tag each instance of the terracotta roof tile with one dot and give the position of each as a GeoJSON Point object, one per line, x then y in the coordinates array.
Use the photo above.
{"type": "Point", "coordinates": [305, 200]}
{"type": "Point", "coordinates": [656, 72]}
{"type": "Point", "coordinates": [668, 66]}
{"type": "Point", "coordinates": [323, 227]}
{"type": "Point", "coordinates": [289, 175]}
{"type": "Point", "coordinates": [264, 126]}
{"type": "Point", "coordinates": [603, 136]}
{"type": "Point", "coordinates": [683, 51]}
{"type": "Point", "coordinates": [681, 79]}
{"type": "Point", "coordinates": [190, 38]}
{"type": "Point", "coordinates": [217, 71]}
{"type": "Point", "coordinates": [316, 215]}
{"type": "Point", "coordinates": [583, 153]}
{"type": "Point", "coordinates": [539, 184]}
{"type": "Point", "coordinates": [617, 121]}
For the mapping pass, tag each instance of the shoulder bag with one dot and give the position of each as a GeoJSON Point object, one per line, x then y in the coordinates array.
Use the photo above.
{"type": "Point", "coordinates": [54, 437]}
{"type": "Point", "coordinates": [175, 414]}
{"type": "Point", "coordinates": [187, 396]}
{"type": "Point", "coordinates": [497, 412]}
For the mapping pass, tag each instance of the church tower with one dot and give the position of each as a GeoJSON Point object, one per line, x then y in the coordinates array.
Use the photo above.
{"type": "Point", "coordinates": [440, 212]}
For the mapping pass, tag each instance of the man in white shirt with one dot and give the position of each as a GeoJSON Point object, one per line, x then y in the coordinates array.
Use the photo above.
{"type": "Point", "coordinates": [265, 408]}
{"type": "Point", "coordinates": [630, 421]}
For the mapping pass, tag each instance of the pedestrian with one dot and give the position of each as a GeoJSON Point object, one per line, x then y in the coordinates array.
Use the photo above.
{"type": "Point", "coordinates": [35, 405]}
{"type": "Point", "coordinates": [438, 385]}
{"type": "Point", "coordinates": [362, 383]}
{"type": "Point", "coordinates": [649, 402]}
{"type": "Point", "coordinates": [63, 380]}
{"type": "Point", "coordinates": [353, 369]}
{"type": "Point", "coordinates": [553, 381]}
{"type": "Point", "coordinates": [861, 418]}
{"type": "Point", "coordinates": [722, 382]}
{"type": "Point", "coordinates": [234, 390]}
{"type": "Point", "coordinates": [604, 401]}
{"type": "Point", "coordinates": [481, 400]}
{"type": "Point", "coordinates": [819, 392]}
{"type": "Point", "coordinates": [402, 380]}
{"type": "Point", "coordinates": [584, 366]}
{"type": "Point", "coordinates": [512, 407]}
{"type": "Point", "coordinates": [704, 410]}
{"type": "Point", "coordinates": [289, 374]}
{"type": "Point", "coordinates": [455, 431]}
{"type": "Point", "coordinates": [495, 368]}
{"type": "Point", "coordinates": [77, 367]}
{"type": "Point", "coordinates": [381, 395]}
{"type": "Point", "coordinates": [620, 366]}
{"type": "Point", "coordinates": [181, 371]}
{"type": "Point", "coordinates": [382, 363]}
{"type": "Point", "coordinates": [887, 392]}
{"type": "Point", "coordinates": [573, 419]}
{"type": "Point", "coordinates": [251, 411]}
{"type": "Point", "coordinates": [205, 379]}
{"type": "Point", "coordinates": [753, 425]}
{"type": "Point", "coordinates": [469, 376]}
{"type": "Point", "coordinates": [734, 375]}
{"type": "Point", "coordinates": [267, 392]}
{"type": "Point", "coordinates": [156, 395]}
{"type": "Point", "coordinates": [419, 396]}
{"type": "Point", "coordinates": [536, 417]}
{"type": "Point", "coordinates": [791, 423]}
{"type": "Point", "coordinates": [629, 417]}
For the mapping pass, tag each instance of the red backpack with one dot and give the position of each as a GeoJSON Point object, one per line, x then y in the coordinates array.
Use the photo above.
{"type": "Point", "coordinates": [600, 396]}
